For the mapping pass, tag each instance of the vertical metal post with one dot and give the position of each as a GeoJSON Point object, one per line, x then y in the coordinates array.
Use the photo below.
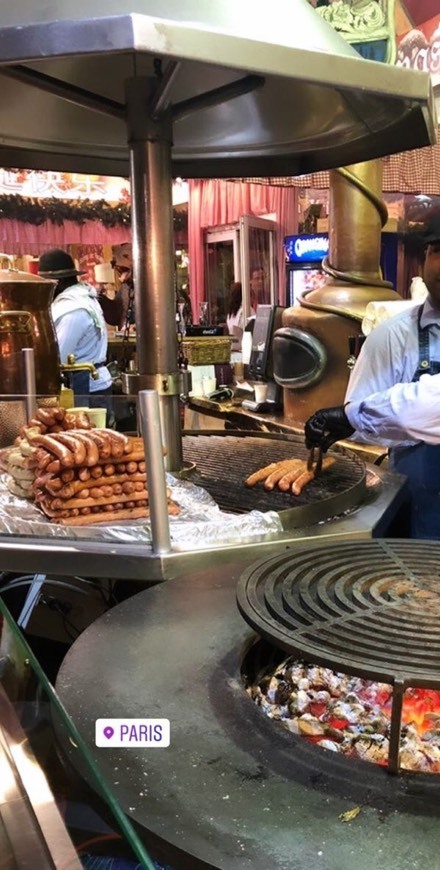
{"type": "Point", "coordinates": [157, 490]}
{"type": "Point", "coordinates": [150, 141]}
{"type": "Point", "coordinates": [396, 726]}
{"type": "Point", "coordinates": [30, 382]}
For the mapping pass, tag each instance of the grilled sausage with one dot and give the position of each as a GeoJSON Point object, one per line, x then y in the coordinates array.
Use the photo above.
{"type": "Point", "coordinates": [282, 471]}
{"type": "Point", "coordinates": [307, 476]}
{"type": "Point", "coordinates": [261, 474]}
{"type": "Point", "coordinates": [58, 448]}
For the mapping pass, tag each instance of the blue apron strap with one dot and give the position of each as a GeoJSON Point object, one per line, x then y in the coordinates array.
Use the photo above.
{"type": "Point", "coordinates": [79, 382]}
{"type": "Point", "coordinates": [424, 362]}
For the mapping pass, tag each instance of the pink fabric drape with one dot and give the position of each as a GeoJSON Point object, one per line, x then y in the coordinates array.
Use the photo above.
{"type": "Point", "coordinates": [215, 202]}
{"type": "Point", "coordinates": [18, 237]}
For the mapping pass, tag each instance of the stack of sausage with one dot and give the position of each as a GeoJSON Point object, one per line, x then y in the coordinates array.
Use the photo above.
{"type": "Point", "coordinates": [90, 476]}
{"type": "Point", "coordinates": [20, 476]}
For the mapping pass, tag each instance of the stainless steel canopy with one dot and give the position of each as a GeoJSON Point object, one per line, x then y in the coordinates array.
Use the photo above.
{"type": "Point", "coordinates": [310, 103]}
{"type": "Point", "coordinates": [193, 89]}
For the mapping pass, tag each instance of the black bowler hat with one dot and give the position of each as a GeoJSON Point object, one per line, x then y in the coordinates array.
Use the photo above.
{"type": "Point", "coordinates": [431, 233]}
{"type": "Point", "coordinates": [57, 264]}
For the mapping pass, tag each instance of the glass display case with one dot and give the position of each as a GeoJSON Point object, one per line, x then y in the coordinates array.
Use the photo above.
{"type": "Point", "coordinates": [47, 812]}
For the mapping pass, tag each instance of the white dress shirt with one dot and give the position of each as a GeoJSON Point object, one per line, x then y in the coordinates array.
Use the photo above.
{"type": "Point", "coordinates": [403, 413]}
{"type": "Point", "coordinates": [390, 357]}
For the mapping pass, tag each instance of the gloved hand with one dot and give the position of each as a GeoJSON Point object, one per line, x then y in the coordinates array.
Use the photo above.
{"type": "Point", "coordinates": [326, 426]}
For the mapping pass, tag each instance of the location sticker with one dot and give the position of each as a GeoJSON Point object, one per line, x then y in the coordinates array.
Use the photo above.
{"type": "Point", "coordinates": [132, 733]}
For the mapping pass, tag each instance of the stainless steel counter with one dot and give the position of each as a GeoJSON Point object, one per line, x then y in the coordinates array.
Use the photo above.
{"type": "Point", "coordinates": [69, 556]}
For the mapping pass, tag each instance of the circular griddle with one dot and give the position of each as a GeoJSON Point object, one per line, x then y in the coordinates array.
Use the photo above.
{"type": "Point", "coordinates": [370, 608]}
{"type": "Point", "coordinates": [223, 462]}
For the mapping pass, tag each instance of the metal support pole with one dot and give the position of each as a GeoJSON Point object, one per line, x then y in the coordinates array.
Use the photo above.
{"type": "Point", "coordinates": [157, 490]}
{"type": "Point", "coordinates": [150, 141]}
{"type": "Point", "coordinates": [30, 381]}
{"type": "Point", "coordinates": [396, 726]}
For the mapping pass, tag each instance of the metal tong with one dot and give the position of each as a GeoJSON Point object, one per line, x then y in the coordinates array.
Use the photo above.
{"type": "Point", "coordinates": [311, 466]}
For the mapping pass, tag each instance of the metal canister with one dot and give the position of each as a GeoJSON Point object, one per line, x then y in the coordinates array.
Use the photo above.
{"type": "Point", "coordinates": [26, 321]}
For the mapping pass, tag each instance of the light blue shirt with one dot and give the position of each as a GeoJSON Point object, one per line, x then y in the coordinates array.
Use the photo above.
{"type": "Point", "coordinates": [401, 412]}
{"type": "Point", "coordinates": [78, 333]}
{"type": "Point", "coordinates": [389, 356]}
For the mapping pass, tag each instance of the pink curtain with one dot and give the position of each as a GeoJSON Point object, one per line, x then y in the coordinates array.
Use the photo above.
{"type": "Point", "coordinates": [18, 237]}
{"type": "Point", "coordinates": [215, 202]}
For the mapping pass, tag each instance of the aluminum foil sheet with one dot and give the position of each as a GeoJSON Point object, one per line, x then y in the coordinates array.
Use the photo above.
{"type": "Point", "coordinates": [200, 524]}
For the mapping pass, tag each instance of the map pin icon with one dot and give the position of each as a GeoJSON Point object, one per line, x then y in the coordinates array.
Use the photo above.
{"type": "Point", "coordinates": [108, 732]}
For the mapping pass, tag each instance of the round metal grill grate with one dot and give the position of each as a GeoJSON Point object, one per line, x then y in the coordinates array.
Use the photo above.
{"type": "Point", "coordinates": [370, 608]}
{"type": "Point", "coordinates": [224, 461]}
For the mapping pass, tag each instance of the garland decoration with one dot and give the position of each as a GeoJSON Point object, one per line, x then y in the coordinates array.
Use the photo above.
{"type": "Point", "coordinates": [37, 211]}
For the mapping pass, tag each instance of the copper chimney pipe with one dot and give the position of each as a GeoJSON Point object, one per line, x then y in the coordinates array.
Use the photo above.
{"type": "Point", "coordinates": [333, 313]}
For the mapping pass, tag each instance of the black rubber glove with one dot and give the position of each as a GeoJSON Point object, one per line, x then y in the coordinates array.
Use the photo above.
{"type": "Point", "coordinates": [326, 426]}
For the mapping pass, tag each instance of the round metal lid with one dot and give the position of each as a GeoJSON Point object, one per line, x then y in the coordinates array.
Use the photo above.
{"type": "Point", "coordinates": [310, 101]}
{"type": "Point", "coordinates": [15, 276]}
{"type": "Point", "coordinates": [369, 608]}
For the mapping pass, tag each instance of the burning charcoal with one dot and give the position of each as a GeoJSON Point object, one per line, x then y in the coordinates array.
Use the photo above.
{"type": "Point", "coordinates": [321, 697]}
{"type": "Point", "coordinates": [352, 715]}
{"type": "Point", "coordinates": [266, 706]}
{"type": "Point", "coordinates": [293, 703]}
{"type": "Point", "coordinates": [350, 712]}
{"type": "Point", "coordinates": [310, 726]}
{"type": "Point", "coordinates": [265, 683]}
{"type": "Point", "coordinates": [304, 684]}
{"type": "Point", "coordinates": [380, 724]}
{"type": "Point", "coordinates": [413, 759]}
{"type": "Point", "coordinates": [316, 677]}
{"type": "Point", "coordinates": [329, 744]}
{"type": "Point", "coordinates": [352, 698]}
{"type": "Point", "coordinates": [254, 692]}
{"type": "Point", "coordinates": [336, 735]}
{"type": "Point", "coordinates": [372, 750]}
{"type": "Point", "coordinates": [272, 690]}
{"type": "Point", "coordinates": [295, 673]}
{"type": "Point", "coordinates": [410, 732]}
{"type": "Point", "coordinates": [282, 693]}
{"type": "Point", "coordinates": [302, 701]}
{"type": "Point", "coordinates": [433, 736]}
{"type": "Point", "coordinates": [291, 725]}
{"type": "Point", "coordinates": [282, 668]}
{"type": "Point", "coordinates": [278, 712]}
{"type": "Point", "coordinates": [332, 682]}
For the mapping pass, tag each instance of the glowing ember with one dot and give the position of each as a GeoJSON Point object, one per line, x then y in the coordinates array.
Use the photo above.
{"type": "Point", "coordinates": [351, 715]}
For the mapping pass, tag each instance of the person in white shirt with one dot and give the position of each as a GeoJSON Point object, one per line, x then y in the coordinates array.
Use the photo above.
{"type": "Point", "coordinates": [391, 402]}
{"type": "Point", "coordinates": [80, 328]}
{"type": "Point", "coordinates": [234, 320]}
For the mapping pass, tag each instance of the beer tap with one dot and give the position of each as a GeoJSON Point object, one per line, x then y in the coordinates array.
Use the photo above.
{"type": "Point", "coordinates": [72, 366]}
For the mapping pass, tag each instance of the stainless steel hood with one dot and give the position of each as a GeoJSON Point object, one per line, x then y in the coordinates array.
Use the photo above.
{"type": "Point", "coordinates": [306, 101]}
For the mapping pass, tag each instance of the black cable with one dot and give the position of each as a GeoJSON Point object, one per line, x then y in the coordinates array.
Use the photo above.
{"type": "Point", "coordinates": [67, 623]}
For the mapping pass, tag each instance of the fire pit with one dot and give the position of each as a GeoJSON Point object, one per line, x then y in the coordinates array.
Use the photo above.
{"type": "Point", "coordinates": [369, 609]}
{"type": "Point", "coordinates": [231, 791]}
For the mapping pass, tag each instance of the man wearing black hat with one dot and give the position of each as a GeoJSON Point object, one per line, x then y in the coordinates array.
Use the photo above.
{"type": "Point", "coordinates": [387, 402]}
{"type": "Point", "coordinates": [80, 328]}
